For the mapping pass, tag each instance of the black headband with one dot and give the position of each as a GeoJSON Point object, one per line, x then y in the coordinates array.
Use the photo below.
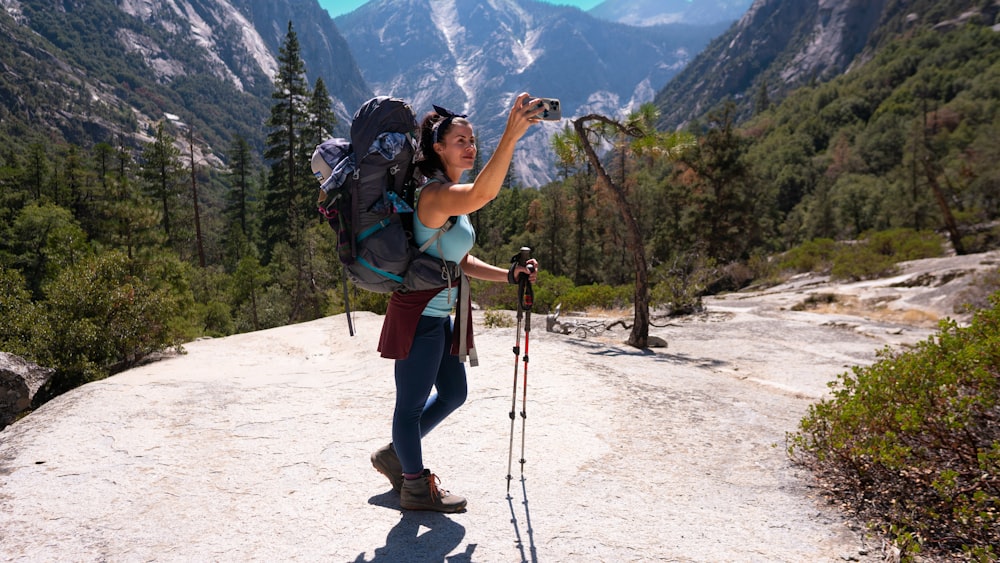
{"type": "Point", "coordinates": [443, 123]}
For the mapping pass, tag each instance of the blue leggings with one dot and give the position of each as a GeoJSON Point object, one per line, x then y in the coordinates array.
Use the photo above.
{"type": "Point", "coordinates": [430, 365]}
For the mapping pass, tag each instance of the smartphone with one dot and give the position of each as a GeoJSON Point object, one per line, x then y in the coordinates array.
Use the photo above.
{"type": "Point", "coordinates": [551, 111]}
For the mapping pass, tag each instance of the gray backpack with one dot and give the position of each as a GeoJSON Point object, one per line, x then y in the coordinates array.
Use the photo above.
{"type": "Point", "coordinates": [367, 188]}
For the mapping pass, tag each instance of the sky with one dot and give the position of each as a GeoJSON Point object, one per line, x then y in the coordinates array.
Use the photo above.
{"type": "Point", "coordinates": [338, 7]}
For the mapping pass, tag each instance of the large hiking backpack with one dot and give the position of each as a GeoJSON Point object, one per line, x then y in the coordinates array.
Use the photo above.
{"type": "Point", "coordinates": [366, 193]}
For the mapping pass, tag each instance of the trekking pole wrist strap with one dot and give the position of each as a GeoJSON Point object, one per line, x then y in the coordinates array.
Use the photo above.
{"type": "Point", "coordinates": [519, 259]}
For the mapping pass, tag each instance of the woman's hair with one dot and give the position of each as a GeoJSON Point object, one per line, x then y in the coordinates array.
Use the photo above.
{"type": "Point", "coordinates": [433, 129]}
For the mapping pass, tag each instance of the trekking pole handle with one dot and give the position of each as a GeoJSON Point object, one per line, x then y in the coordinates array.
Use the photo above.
{"type": "Point", "coordinates": [523, 255]}
{"type": "Point", "coordinates": [520, 259]}
{"type": "Point", "coordinates": [526, 295]}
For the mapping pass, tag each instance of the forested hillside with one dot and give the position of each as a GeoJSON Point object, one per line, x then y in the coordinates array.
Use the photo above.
{"type": "Point", "coordinates": [781, 45]}
{"type": "Point", "coordinates": [908, 140]}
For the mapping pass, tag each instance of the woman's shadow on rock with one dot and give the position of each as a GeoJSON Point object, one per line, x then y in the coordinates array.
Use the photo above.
{"type": "Point", "coordinates": [419, 536]}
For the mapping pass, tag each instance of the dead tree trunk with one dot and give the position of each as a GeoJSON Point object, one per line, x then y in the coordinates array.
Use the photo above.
{"type": "Point", "coordinates": [954, 234]}
{"type": "Point", "coordinates": [194, 195]}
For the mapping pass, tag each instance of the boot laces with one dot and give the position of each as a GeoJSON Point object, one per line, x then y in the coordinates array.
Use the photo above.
{"type": "Point", "coordinates": [432, 485]}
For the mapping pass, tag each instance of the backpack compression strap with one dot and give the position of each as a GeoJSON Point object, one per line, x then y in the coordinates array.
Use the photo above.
{"type": "Point", "coordinates": [464, 306]}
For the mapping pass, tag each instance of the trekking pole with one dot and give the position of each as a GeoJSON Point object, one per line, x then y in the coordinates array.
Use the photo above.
{"type": "Point", "coordinates": [527, 300]}
{"type": "Point", "coordinates": [521, 259]}
{"type": "Point", "coordinates": [347, 307]}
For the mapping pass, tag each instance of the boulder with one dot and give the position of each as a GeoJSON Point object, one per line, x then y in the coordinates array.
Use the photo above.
{"type": "Point", "coordinates": [655, 342]}
{"type": "Point", "coordinates": [19, 381]}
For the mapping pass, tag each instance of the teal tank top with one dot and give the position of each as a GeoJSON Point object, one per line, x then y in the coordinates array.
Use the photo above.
{"type": "Point", "coordinates": [456, 242]}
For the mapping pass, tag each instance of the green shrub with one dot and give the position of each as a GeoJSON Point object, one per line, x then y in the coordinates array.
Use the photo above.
{"type": "Point", "coordinates": [877, 254]}
{"type": "Point", "coordinates": [216, 319]}
{"type": "Point", "coordinates": [19, 315]}
{"type": "Point", "coordinates": [906, 244]}
{"type": "Point", "coordinates": [549, 291]}
{"type": "Point", "coordinates": [861, 261]}
{"type": "Point", "coordinates": [874, 255]}
{"type": "Point", "coordinates": [811, 256]}
{"type": "Point", "coordinates": [599, 296]}
{"type": "Point", "coordinates": [102, 316]}
{"type": "Point", "coordinates": [763, 269]}
{"type": "Point", "coordinates": [497, 319]}
{"type": "Point", "coordinates": [679, 285]}
{"type": "Point", "coordinates": [979, 240]}
{"type": "Point", "coordinates": [912, 442]}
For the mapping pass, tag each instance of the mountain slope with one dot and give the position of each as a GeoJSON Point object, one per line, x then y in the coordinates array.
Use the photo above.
{"type": "Point", "coordinates": [475, 57]}
{"type": "Point", "coordinates": [779, 45]}
{"type": "Point", "coordinates": [88, 71]}
{"type": "Point", "coordinates": [324, 49]}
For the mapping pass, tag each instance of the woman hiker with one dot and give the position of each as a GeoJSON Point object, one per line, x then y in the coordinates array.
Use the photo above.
{"type": "Point", "coordinates": [418, 330]}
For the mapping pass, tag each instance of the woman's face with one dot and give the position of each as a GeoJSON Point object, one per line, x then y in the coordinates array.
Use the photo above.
{"type": "Point", "coordinates": [458, 147]}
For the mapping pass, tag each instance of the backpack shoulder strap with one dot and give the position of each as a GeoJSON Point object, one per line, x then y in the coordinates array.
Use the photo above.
{"type": "Point", "coordinates": [443, 228]}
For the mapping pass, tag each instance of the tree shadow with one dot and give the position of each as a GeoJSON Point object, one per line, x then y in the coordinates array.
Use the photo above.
{"type": "Point", "coordinates": [531, 552]}
{"type": "Point", "coordinates": [601, 349]}
{"type": "Point", "coordinates": [604, 349]}
{"type": "Point", "coordinates": [419, 536]}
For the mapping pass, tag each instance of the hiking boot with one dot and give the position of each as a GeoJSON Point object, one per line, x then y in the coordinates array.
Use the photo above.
{"type": "Point", "coordinates": [385, 461]}
{"type": "Point", "coordinates": [423, 493]}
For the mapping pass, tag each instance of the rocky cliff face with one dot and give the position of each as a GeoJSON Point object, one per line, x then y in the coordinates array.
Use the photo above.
{"type": "Point", "coordinates": [840, 31]}
{"type": "Point", "coordinates": [239, 41]}
{"type": "Point", "coordinates": [231, 49]}
{"type": "Point", "coordinates": [98, 68]}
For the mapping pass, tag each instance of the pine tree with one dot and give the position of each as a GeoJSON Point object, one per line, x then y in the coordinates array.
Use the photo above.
{"type": "Point", "coordinates": [37, 169]}
{"type": "Point", "coordinates": [198, 238]}
{"type": "Point", "coordinates": [129, 217]}
{"type": "Point", "coordinates": [762, 101]}
{"type": "Point", "coordinates": [112, 166]}
{"type": "Point", "coordinates": [238, 197]}
{"type": "Point", "coordinates": [283, 217]}
{"type": "Point", "coordinates": [161, 171]}
{"type": "Point", "coordinates": [321, 120]}
{"type": "Point", "coordinates": [728, 216]}
{"type": "Point", "coordinates": [319, 127]}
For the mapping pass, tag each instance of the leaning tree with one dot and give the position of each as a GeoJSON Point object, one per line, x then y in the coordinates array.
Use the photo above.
{"type": "Point", "coordinates": [595, 129]}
